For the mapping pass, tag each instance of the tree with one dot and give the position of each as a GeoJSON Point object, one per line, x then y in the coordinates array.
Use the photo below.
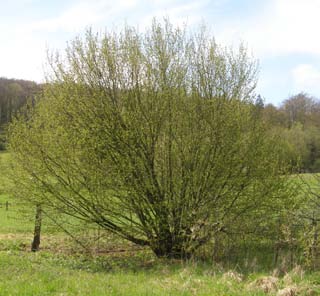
{"type": "Point", "coordinates": [300, 127]}
{"type": "Point", "coordinates": [273, 116]}
{"type": "Point", "coordinates": [152, 136]}
{"type": "Point", "coordinates": [298, 108]}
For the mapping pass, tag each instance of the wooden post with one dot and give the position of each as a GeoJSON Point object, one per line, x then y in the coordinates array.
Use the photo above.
{"type": "Point", "coordinates": [37, 229]}
{"type": "Point", "coordinates": [7, 205]}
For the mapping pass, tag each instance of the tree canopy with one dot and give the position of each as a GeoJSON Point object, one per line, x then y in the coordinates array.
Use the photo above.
{"type": "Point", "coordinates": [154, 136]}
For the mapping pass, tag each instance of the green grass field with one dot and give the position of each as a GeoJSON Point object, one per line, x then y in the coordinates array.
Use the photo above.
{"type": "Point", "coordinates": [45, 273]}
{"type": "Point", "coordinates": [109, 266]}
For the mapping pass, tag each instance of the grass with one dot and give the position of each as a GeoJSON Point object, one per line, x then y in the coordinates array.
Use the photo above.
{"type": "Point", "coordinates": [61, 268]}
{"type": "Point", "coordinates": [45, 274]}
{"type": "Point", "coordinates": [109, 266]}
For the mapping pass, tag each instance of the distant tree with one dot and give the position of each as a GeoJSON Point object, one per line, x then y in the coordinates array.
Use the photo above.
{"type": "Point", "coordinates": [298, 120]}
{"type": "Point", "coordinates": [259, 102]}
{"type": "Point", "coordinates": [298, 108]}
{"type": "Point", "coordinates": [152, 136]}
{"type": "Point", "coordinates": [274, 116]}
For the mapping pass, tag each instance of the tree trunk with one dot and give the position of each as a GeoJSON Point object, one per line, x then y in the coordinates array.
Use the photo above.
{"type": "Point", "coordinates": [169, 251]}
{"type": "Point", "coordinates": [162, 246]}
{"type": "Point", "coordinates": [37, 229]}
{"type": "Point", "coordinates": [168, 247]}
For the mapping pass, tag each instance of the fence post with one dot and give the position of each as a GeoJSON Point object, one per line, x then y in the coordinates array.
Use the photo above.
{"type": "Point", "coordinates": [7, 205]}
{"type": "Point", "coordinates": [37, 229]}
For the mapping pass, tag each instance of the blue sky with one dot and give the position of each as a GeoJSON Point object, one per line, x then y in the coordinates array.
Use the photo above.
{"type": "Point", "coordinates": [282, 34]}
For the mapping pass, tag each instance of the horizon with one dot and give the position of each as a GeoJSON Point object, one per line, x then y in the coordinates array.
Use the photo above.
{"type": "Point", "coordinates": [280, 34]}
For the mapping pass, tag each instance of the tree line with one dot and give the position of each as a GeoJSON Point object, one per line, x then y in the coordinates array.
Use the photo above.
{"type": "Point", "coordinates": [297, 120]}
{"type": "Point", "coordinates": [14, 94]}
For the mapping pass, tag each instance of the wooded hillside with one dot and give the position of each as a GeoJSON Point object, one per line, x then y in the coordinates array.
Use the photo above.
{"type": "Point", "coordinates": [14, 93]}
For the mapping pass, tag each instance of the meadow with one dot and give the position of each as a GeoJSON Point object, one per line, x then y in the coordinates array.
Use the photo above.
{"type": "Point", "coordinates": [105, 265]}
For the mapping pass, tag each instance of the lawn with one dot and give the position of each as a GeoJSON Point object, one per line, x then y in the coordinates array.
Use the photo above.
{"type": "Point", "coordinates": [105, 265]}
{"type": "Point", "coordinates": [45, 273]}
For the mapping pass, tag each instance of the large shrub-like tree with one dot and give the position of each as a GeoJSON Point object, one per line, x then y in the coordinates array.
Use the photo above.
{"type": "Point", "coordinates": [153, 136]}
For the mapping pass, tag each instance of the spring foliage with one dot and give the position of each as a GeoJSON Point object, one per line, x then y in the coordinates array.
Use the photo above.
{"type": "Point", "coordinates": [154, 136]}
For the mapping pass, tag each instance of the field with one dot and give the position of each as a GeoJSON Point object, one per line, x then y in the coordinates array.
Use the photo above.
{"type": "Point", "coordinates": [105, 265]}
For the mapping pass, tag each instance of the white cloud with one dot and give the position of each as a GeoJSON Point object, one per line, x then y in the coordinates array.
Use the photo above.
{"type": "Point", "coordinates": [23, 58]}
{"type": "Point", "coordinates": [23, 44]}
{"type": "Point", "coordinates": [82, 14]}
{"type": "Point", "coordinates": [306, 77]}
{"type": "Point", "coordinates": [284, 26]}
{"type": "Point", "coordinates": [187, 13]}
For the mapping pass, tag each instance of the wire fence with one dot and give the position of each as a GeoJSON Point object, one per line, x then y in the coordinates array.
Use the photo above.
{"type": "Point", "coordinates": [13, 207]}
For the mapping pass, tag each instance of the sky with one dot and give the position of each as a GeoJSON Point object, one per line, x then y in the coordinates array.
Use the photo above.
{"type": "Point", "coordinates": [281, 34]}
